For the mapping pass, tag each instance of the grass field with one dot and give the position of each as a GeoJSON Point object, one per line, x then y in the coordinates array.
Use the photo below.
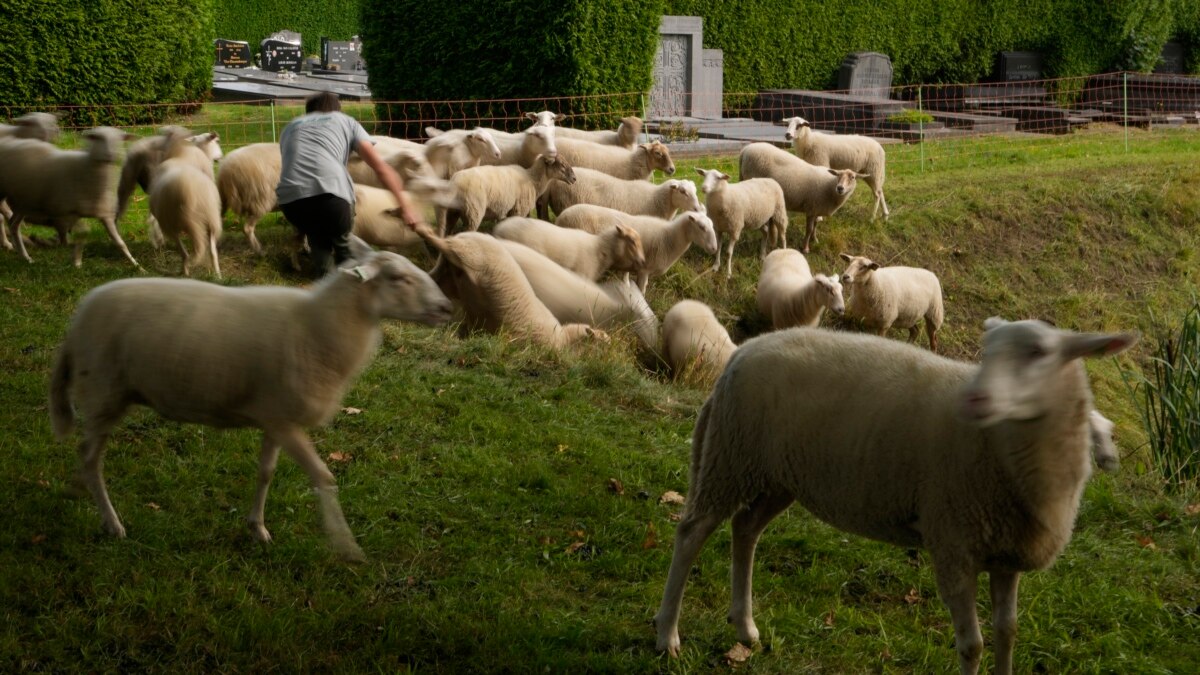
{"type": "Point", "coordinates": [478, 475]}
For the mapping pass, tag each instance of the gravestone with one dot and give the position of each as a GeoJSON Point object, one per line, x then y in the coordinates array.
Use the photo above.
{"type": "Point", "coordinates": [1018, 66]}
{"type": "Point", "coordinates": [1171, 59]}
{"type": "Point", "coordinates": [687, 77]}
{"type": "Point", "coordinates": [233, 53]}
{"type": "Point", "coordinates": [281, 52]}
{"type": "Point", "coordinates": [710, 89]}
{"type": "Point", "coordinates": [867, 74]}
{"type": "Point", "coordinates": [343, 55]}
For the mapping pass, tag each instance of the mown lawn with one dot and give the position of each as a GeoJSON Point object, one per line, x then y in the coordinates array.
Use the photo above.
{"type": "Point", "coordinates": [479, 475]}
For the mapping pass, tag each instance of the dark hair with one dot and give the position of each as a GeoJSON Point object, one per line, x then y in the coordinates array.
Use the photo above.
{"type": "Point", "coordinates": [325, 101]}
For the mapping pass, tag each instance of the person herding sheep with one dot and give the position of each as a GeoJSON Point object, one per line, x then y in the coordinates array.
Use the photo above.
{"type": "Point", "coordinates": [315, 192]}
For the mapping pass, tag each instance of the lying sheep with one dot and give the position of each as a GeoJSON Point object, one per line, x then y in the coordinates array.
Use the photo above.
{"type": "Point", "coordinates": [815, 191]}
{"type": "Point", "coordinates": [145, 154]}
{"type": "Point", "coordinates": [860, 153]}
{"type": "Point", "coordinates": [625, 135]}
{"type": "Point", "coordinates": [756, 203]}
{"type": "Point", "coordinates": [883, 297]}
{"type": "Point", "coordinates": [184, 201]}
{"type": "Point", "coordinates": [38, 126]}
{"type": "Point", "coordinates": [54, 187]}
{"type": "Point", "coordinates": [693, 340]}
{"type": "Point", "coordinates": [665, 241]}
{"type": "Point", "coordinates": [637, 197]}
{"type": "Point", "coordinates": [984, 465]}
{"type": "Point", "coordinates": [234, 357]}
{"type": "Point", "coordinates": [496, 192]}
{"type": "Point", "coordinates": [246, 181]}
{"type": "Point", "coordinates": [789, 295]}
{"type": "Point", "coordinates": [588, 255]}
{"type": "Point", "coordinates": [479, 272]}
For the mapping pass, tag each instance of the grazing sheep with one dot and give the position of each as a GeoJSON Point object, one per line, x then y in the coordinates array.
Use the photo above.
{"type": "Point", "coordinates": [816, 191]}
{"type": "Point", "coordinates": [665, 241]}
{"type": "Point", "coordinates": [407, 163]}
{"type": "Point", "coordinates": [694, 339]}
{"type": "Point", "coordinates": [1104, 449]}
{"type": "Point", "coordinates": [54, 187]}
{"type": "Point", "coordinates": [275, 358]}
{"type": "Point", "coordinates": [789, 295]}
{"type": "Point", "coordinates": [883, 297]}
{"type": "Point", "coordinates": [496, 192]}
{"type": "Point", "coordinates": [860, 153]}
{"type": "Point", "coordinates": [636, 197]}
{"type": "Point", "coordinates": [984, 465]}
{"type": "Point", "coordinates": [479, 272]}
{"type": "Point", "coordinates": [588, 255]}
{"type": "Point", "coordinates": [756, 203]}
{"type": "Point", "coordinates": [246, 180]}
{"type": "Point", "coordinates": [38, 126]}
{"type": "Point", "coordinates": [624, 137]}
{"type": "Point", "coordinates": [145, 154]}
{"type": "Point", "coordinates": [184, 201]}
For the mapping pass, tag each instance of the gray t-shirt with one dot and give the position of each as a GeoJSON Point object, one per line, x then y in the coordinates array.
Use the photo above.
{"type": "Point", "coordinates": [315, 148]}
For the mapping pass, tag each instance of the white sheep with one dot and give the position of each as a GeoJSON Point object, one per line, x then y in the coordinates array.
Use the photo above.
{"type": "Point", "coordinates": [448, 155]}
{"type": "Point", "coordinates": [818, 192]}
{"type": "Point", "coordinates": [275, 358]}
{"type": "Point", "coordinates": [637, 197]}
{"type": "Point", "coordinates": [860, 153]}
{"type": "Point", "coordinates": [754, 203]}
{"type": "Point", "coordinates": [665, 241]}
{"type": "Point", "coordinates": [386, 145]}
{"type": "Point", "coordinates": [588, 255]}
{"type": "Point", "coordinates": [35, 125]}
{"type": "Point", "coordinates": [246, 180]}
{"type": "Point", "coordinates": [406, 163]}
{"type": "Point", "coordinates": [519, 148]}
{"type": "Point", "coordinates": [545, 118]}
{"type": "Point", "coordinates": [789, 295]}
{"type": "Point", "coordinates": [625, 135]}
{"type": "Point", "coordinates": [1104, 448]}
{"type": "Point", "coordinates": [883, 297]}
{"type": "Point", "coordinates": [145, 154]}
{"type": "Point", "coordinates": [984, 465]}
{"type": "Point", "coordinates": [496, 192]}
{"type": "Point", "coordinates": [54, 187]}
{"type": "Point", "coordinates": [693, 340]}
{"type": "Point", "coordinates": [636, 164]}
{"type": "Point", "coordinates": [184, 201]}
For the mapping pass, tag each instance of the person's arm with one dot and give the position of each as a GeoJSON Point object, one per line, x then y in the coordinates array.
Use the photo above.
{"type": "Point", "coordinates": [390, 179]}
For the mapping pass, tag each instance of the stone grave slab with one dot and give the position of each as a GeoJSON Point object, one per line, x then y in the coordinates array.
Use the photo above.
{"type": "Point", "coordinates": [866, 74]}
{"type": "Point", "coordinates": [233, 53]}
{"type": "Point", "coordinates": [342, 55]}
{"type": "Point", "coordinates": [1171, 60]}
{"type": "Point", "coordinates": [281, 52]}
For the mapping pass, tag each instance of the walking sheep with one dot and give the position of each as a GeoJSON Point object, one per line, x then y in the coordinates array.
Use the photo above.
{"type": "Point", "coordinates": [984, 465]}
{"type": "Point", "coordinates": [883, 297]}
{"type": "Point", "coordinates": [694, 339]}
{"type": "Point", "coordinates": [789, 295]}
{"type": "Point", "coordinates": [637, 197]}
{"type": "Point", "coordinates": [860, 153]}
{"type": "Point", "coordinates": [497, 192]}
{"type": "Point", "coordinates": [36, 125]}
{"type": "Point", "coordinates": [184, 201]}
{"type": "Point", "coordinates": [588, 255]}
{"type": "Point", "coordinates": [279, 359]}
{"type": "Point", "coordinates": [145, 154]}
{"type": "Point", "coordinates": [246, 180]}
{"type": "Point", "coordinates": [756, 203]}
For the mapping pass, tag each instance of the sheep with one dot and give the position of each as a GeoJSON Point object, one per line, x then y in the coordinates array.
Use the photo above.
{"type": "Point", "coordinates": [816, 191]}
{"type": "Point", "coordinates": [983, 465]}
{"type": "Point", "coordinates": [789, 295]}
{"type": "Point", "coordinates": [35, 125]}
{"type": "Point", "coordinates": [860, 153]}
{"type": "Point", "coordinates": [625, 136]}
{"type": "Point", "coordinates": [636, 197]}
{"type": "Point", "coordinates": [883, 297]}
{"type": "Point", "coordinates": [246, 180]}
{"type": "Point", "coordinates": [666, 241]}
{"type": "Point", "coordinates": [407, 163]}
{"type": "Point", "coordinates": [588, 255]}
{"type": "Point", "coordinates": [495, 192]}
{"type": "Point", "coordinates": [636, 164]}
{"type": "Point", "coordinates": [694, 339]}
{"type": "Point", "coordinates": [545, 118]}
{"type": "Point", "coordinates": [56, 187]}
{"type": "Point", "coordinates": [575, 299]}
{"type": "Point", "coordinates": [386, 145]}
{"type": "Point", "coordinates": [447, 155]}
{"type": "Point", "coordinates": [234, 357]}
{"type": "Point", "coordinates": [185, 201]}
{"type": "Point", "coordinates": [479, 272]}
{"type": "Point", "coordinates": [755, 203]}
{"type": "Point", "coordinates": [1104, 449]}
{"type": "Point", "coordinates": [147, 153]}
{"type": "Point", "coordinates": [518, 149]}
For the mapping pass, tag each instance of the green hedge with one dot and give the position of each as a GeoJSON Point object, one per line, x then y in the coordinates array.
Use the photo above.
{"type": "Point", "coordinates": [87, 52]}
{"type": "Point", "coordinates": [253, 20]}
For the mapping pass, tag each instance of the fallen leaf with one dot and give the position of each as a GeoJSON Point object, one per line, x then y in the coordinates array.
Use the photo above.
{"type": "Point", "coordinates": [913, 597]}
{"type": "Point", "coordinates": [738, 654]}
{"type": "Point", "coordinates": [674, 517]}
{"type": "Point", "coordinates": [1192, 509]}
{"type": "Point", "coordinates": [1146, 542]}
{"type": "Point", "coordinates": [616, 486]}
{"type": "Point", "coordinates": [340, 457]}
{"type": "Point", "coordinates": [651, 539]}
{"type": "Point", "coordinates": [561, 448]}
{"type": "Point", "coordinates": [545, 541]}
{"type": "Point", "coordinates": [38, 538]}
{"type": "Point", "coordinates": [671, 497]}
{"type": "Point", "coordinates": [573, 548]}
{"type": "Point", "coordinates": [829, 619]}
{"type": "Point", "coordinates": [352, 411]}
{"type": "Point", "coordinates": [154, 506]}
{"type": "Point", "coordinates": [43, 482]}
{"type": "Point", "coordinates": [578, 534]}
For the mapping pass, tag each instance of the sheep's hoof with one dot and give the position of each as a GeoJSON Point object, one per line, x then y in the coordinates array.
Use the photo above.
{"type": "Point", "coordinates": [115, 529]}
{"type": "Point", "coordinates": [259, 532]}
{"type": "Point", "coordinates": [352, 554]}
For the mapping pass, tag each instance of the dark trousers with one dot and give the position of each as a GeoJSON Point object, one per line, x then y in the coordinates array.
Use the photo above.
{"type": "Point", "coordinates": [326, 220]}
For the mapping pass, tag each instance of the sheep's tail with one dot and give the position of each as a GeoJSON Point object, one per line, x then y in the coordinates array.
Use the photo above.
{"type": "Point", "coordinates": [62, 417]}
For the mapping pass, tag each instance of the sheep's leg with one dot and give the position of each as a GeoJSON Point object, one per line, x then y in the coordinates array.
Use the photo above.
{"type": "Point", "coordinates": [733, 240]}
{"type": "Point", "coordinates": [543, 208]}
{"type": "Point", "coordinates": [299, 243]}
{"type": "Point", "coordinates": [810, 233]}
{"type": "Point", "coordinates": [212, 251]}
{"type": "Point", "coordinates": [956, 586]}
{"type": "Point", "coordinates": [111, 226]}
{"type": "Point", "coordinates": [748, 525]}
{"type": "Point", "coordinates": [155, 232]}
{"type": "Point", "coordinates": [690, 536]}
{"type": "Point", "coordinates": [267, 458]}
{"type": "Point", "coordinates": [643, 280]}
{"type": "Point", "coordinates": [5, 215]}
{"type": "Point", "coordinates": [248, 228]}
{"type": "Point", "coordinates": [298, 446]}
{"type": "Point", "coordinates": [14, 227]}
{"type": "Point", "coordinates": [931, 330]}
{"type": "Point", "coordinates": [1004, 618]}
{"type": "Point", "coordinates": [91, 455]}
{"type": "Point", "coordinates": [879, 201]}
{"type": "Point", "coordinates": [716, 266]}
{"type": "Point", "coordinates": [183, 251]}
{"type": "Point", "coordinates": [913, 331]}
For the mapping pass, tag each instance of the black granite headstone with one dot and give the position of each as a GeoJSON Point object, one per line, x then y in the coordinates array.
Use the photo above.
{"type": "Point", "coordinates": [233, 53]}
{"type": "Point", "coordinates": [866, 74]}
{"type": "Point", "coordinates": [1171, 59]}
{"type": "Point", "coordinates": [343, 55]}
{"type": "Point", "coordinates": [1018, 66]}
{"type": "Point", "coordinates": [281, 52]}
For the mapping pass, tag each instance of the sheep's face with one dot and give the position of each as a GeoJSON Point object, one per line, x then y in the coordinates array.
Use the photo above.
{"type": "Point", "coordinates": [795, 124]}
{"type": "Point", "coordinates": [558, 169]}
{"type": "Point", "coordinates": [37, 125]}
{"type": "Point", "coordinates": [630, 251]}
{"type": "Point", "coordinates": [701, 231]}
{"type": "Point", "coordinates": [481, 144]}
{"type": "Point", "coordinates": [544, 118]}
{"type": "Point", "coordinates": [631, 126]}
{"type": "Point", "coordinates": [714, 180]}
{"type": "Point", "coordinates": [860, 269]}
{"type": "Point", "coordinates": [541, 141]}
{"type": "Point", "coordinates": [684, 196]}
{"type": "Point", "coordinates": [659, 157]}
{"type": "Point", "coordinates": [831, 293]}
{"type": "Point", "coordinates": [104, 144]}
{"type": "Point", "coordinates": [409, 164]}
{"type": "Point", "coordinates": [846, 181]}
{"type": "Point", "coordinates": [210, 144]}
{"type": "Point", "coordinates": [1023, 366]}
{"type": "Point", "coordinates": [1104, 449]}
{"type": "Point", "coordinates": [399, 289]}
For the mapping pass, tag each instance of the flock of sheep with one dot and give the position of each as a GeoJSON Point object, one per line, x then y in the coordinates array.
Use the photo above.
{"type": "Point", "coordinates": [982, 464]}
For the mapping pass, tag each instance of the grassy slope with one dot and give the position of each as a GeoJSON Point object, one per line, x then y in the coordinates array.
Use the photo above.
{"type": "Point", "coordinates": [477, 467]}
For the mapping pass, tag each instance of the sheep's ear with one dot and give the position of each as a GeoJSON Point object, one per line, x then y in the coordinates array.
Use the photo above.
{"type": "Point", "coordinates": [1083, 345]}
{"type": "Point", "coordinates": [832, 172]}
{"type": "Point", "coordinates": [846, 256]}
{"type": "Point", "coordinates": [433, 132]}
{"type": "Point", "coordinates": [360, 249]}
{"type": "Point", "coordinates": [702, 172]}
{"type": "Point", "coordinates": [531, 116]}
{"type": "Point", "coordinates": [872, 265]}
{"type": "Point", "coordinates": [559, 117]}
{"type": "Point", "coordinates": [722, 175]}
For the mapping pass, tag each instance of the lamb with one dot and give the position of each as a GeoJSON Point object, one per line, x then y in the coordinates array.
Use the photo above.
{"type": "Point", "coordinates": [637, 197]}
{"type": "Point", "coordinates": [146, 154]}
{"type": "Point", "coordinates": [35, 125]}
{"type": "Point", "coordinates": [624, 137]}
{"type": "Point", "coordinates": [246, 181]}
{"type": "Point", "coordinates": [588, 255]}
{"type": "Point", "coordinates": [860, 153]}
{"type": "Point", "coordinates": [185, 201]}
{"type": "Point", "coordinates": [56, 187]}
{"type": "Point", "coordinates": [495, 192]}
{"type": "Point", "coordinates": [894, 296]}
{"type": "Point", "coordinates": [694, 339]}
{"type": "Point", "coordinates": [1001, 450]}
{"type": "Point", "coordinates": [479, 272]}
{"type": "Point", "coordinates": [815, 191]}
{"type": "Point", "coordinates": [234, 357]}
{"type": "Point", "coordinates": [666, 241]}
{"type": "Point", "coordinates": [789, 295]}
{"type": "Point", "coordinates": [756, 203]}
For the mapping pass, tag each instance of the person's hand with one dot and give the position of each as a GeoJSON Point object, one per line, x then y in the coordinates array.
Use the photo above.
{"type": "Point", "coordinates": [408, 213]}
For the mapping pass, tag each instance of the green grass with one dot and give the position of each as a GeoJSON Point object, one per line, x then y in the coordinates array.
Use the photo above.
{"type": "Point", "coordinates": [478, 478]}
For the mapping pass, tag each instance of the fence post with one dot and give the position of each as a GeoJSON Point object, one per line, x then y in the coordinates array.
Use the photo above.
{"type": "Point", "coordinates": [921, 126]}
{"type": "Point", "coordinates": [274, 138]}
{"type": "Point", "coordinates": [645, 130]}
{"type": "Point", "coordinates": [1125, 105]}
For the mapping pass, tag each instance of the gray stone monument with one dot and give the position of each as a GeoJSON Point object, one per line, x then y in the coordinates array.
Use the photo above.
{"type": "Point", "coordinates": [687, 77]}
{"type": "Point", "coordinates": [710, 90]}
{"type": "Point", "coordinates": [1171, 59]}
{"type": "Point", "coordinates": [867, 74]}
